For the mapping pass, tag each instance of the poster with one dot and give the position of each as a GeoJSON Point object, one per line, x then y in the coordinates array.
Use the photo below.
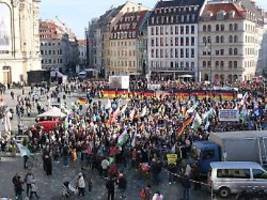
{"type": "Point", "coordinates": [5, 30]}
{"type": "Point", "coordinates": [229, 115]}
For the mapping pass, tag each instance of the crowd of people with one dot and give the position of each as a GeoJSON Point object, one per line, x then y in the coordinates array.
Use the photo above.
{"type": "Point", "coordinates": [116, 136]}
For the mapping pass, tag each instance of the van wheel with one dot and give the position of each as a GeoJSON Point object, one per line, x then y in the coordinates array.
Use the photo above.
{"type": "Point", "coordinates": [224, 192]}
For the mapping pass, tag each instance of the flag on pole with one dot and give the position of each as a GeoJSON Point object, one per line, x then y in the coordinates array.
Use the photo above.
{"type": "Point", "coordinates": [123, 138]}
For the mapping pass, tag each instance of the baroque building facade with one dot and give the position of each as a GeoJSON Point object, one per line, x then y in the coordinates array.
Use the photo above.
{"type": "Point", "coordinates": [19, 39]}
{"type": "Point", "coordinates": [229, 42]}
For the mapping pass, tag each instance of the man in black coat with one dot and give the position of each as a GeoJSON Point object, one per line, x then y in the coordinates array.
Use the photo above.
{"type": "Point", "coordinates": [18, 186]}
{"type": "Point", "coordinates": [111, 188]}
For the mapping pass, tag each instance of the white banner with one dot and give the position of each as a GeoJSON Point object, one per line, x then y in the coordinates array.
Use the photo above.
{"type": "Point", "coordinates": [229, 115]}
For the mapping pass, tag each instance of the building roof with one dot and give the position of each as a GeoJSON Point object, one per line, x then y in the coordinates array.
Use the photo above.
{"type": "Point", "coordinates": [177, 9]}
{"type": "Point", "coordinates": [212, 9]}
{"type": "Point", "coordinates": [129, 22]}
{"type": "Point", "coordinates": [235, 165]}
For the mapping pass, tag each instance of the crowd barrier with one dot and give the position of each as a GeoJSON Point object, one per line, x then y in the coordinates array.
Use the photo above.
{"type": "Point", "coordinates": [180, 94]}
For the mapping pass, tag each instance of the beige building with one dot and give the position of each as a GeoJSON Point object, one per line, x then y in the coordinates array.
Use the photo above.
{"type": "Point", "coordinates": [19, 39]}
{"type": "Point", "coordinates": [100, 33]}
{"type": "Point", "coordinates": [228, 43]}
{"type": "Point", "coordinates": [124, 44]}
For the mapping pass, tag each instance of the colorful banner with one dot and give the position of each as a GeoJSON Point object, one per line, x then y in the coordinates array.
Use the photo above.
{"type": "Point", "coordinates": [181, 95]}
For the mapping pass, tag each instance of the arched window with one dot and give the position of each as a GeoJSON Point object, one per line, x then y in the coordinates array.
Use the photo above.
{"type": "Point", "coordinates": [236, 27]}
{"type": "Point", "coordinates": [204, 64]}
{"type": "Point", "coordinates": [217, 27]}
{"type": "Point", "coordinates": [204, 28]}
{"type": "Point", "coordinates": [217, 63]}
{"type": "Point", "coordinates": [217, 39]}
{"type": "Point", "coordinates": [235, 51]}
{"type": "Point", "coordinates": [206, 77]}
{"type": "Point", "coordinates": [230, 27]}
{"type": "Point", "coordinates": [235, 39]}
{"type": "Point", "coordinates": [222, 39]}
{"type": "Point", "coordinates": [209, 28]}
{"type": "Point", "coordinates": [230, 51]}
{"type": "Point", "coordinates": [230, 39]}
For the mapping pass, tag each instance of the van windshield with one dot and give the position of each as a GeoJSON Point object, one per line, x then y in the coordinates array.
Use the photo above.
{"type": "Point", "coordinates": [259, 174]}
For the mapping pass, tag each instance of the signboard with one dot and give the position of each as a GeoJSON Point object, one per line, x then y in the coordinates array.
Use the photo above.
{"type": "Point", "coordinates": [153, 86]}
{"type": "Point", "coordinates": [172, 159]}
{"type": "Point", "coordinates": [119, 82]}
{"type": "Point", "coordinates": [229, 115]}
{"type": "Point", "coordinates": [5, 27]}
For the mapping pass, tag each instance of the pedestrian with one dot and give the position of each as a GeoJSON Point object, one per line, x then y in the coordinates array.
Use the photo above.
{"type": "Point", "coordinates": [34, 189]}
{"type": "Point", "coordinates": [81, 185]}
{"type": "Point", "coordinates": [122, 185]}
{"type": "Point", "coordinates": [110, 188]}
{"type": "Point", "coordinates": [157, 196]}
{"type": "Point", "coordinates": [18, 186]}
{"type": "Point", "coordinates": [186, 187]}
{"type": "Point", "coordinates": [28, 180]}
{"type": "Point", "coordinates": [47, 162]}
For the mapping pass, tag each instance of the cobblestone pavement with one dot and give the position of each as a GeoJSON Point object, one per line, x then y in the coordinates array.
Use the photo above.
{"type": "Point", "coordinates": [50, 187]}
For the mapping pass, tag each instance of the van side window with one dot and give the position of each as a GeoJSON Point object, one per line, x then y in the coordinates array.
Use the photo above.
{"type": "Point", "coordinates": [233, 173]}
{"type": "Point", "coordinates": [258, 173]}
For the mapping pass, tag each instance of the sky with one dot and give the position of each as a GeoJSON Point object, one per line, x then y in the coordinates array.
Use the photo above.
{"type": "Point", "coordinates": [76, 13]}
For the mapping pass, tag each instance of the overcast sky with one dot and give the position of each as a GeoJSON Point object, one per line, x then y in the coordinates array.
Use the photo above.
{"type": "Point", "coordinates": [76, 13]}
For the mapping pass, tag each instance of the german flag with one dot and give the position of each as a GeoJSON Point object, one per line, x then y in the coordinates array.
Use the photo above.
{"type": "Point", "coordinates": [184, 125]}
{"type": "Point", "coordinates": [82, 101]}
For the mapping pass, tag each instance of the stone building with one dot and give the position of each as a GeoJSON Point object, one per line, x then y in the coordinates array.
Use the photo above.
{"type": "Point", "coordinates": [59, 47]}
{"type": "Point", "coordinates": [19, 39]}
{"type": "Point", "coordinates": [124, 44]}
{"type": "Point", "coordinates": [99, 34]}
{"type": "Point", "coordinates": [173, 38]}
{"type": "Point", "coordinates": [229, 43]}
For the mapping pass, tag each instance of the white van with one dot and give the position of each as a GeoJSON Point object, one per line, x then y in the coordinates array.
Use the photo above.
{"type": "Point", "coordinates": [234, 177]}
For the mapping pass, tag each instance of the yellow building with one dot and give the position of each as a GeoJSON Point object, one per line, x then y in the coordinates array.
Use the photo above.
{"type": "Point", "coordinates": [124, 44]}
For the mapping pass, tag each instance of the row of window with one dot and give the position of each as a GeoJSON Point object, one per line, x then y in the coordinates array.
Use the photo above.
{"type": "Point", "coordinates": [177, 41]}
{"type": "Point", "coordinates": [220, 39]}
{"type": "Point", "coordinates": [123, 53]}
{"type": "Point", "coordinates": [250, 63]}
{"type": "Point", "coordinates": [51, 52]}
{"type": "Point", "coordinates": [122, 43]}
{"type": "Point", "coordinates": [173, 19]}
{"type": "Point", "coordinates": [173, 53]}
{"type": "Point", "coordinates": [220, 64]}
{"type": "Point", "coordinates": [171, 65]}
{"type": "Point", "coordinates": [124, 35]}
{"type": "Point", "coordinates": [250, 51]}
{"type": "Point", "coordinates": [50, 61]}
{"type": "Point", "coordinates": [220, 27]}
{"type": "Point", "coordinates": [50, 44]}
{"type": "Point", "coordinates": [160, 30]}
{"type": "Point", "coordinates": [176, 9]}
{"type": "Point", "coordinates": [231, 51]}
{"type": "Point", "coordinates": [122, 63]}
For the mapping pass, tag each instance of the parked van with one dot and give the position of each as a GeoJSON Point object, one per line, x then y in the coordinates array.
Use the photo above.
{"type": "Point", "coordinates": [228, 178]}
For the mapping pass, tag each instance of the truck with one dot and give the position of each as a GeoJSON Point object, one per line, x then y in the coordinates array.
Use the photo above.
{"type": "Point", "coordinates": [231, 146]}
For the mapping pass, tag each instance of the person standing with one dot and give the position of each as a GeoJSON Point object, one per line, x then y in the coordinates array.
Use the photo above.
{"type": "Point", "coordinates": [111, 188]}
{"type": "Point", "coordinates": [28, 180]}
{"type": "Point", "coordinates": [122, 185]}
{"type": "Point", "coordinates": [34, 189]}
{"type": "Point", "coordinates": [47, 162]}
{"type": "Point", "coordinates": [186, 185]}
{"type": "Point", "coordinates": [18, 183]}
{"type": "Point", "coordinates": [81, 185]}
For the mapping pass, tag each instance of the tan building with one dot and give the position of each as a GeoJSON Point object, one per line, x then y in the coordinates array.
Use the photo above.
{"type": "Point", "coordinates": [19, 39]}
{"type": "Point", "coordinates": [124, 44]}
{"type": "Point", "coordinates": [59, 47]}
{"type": "Point", "coordinates": [228, 42]}
{"type": "Point", "coordinates": [100, 32]}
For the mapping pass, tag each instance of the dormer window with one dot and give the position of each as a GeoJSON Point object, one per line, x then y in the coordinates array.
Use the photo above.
{"type": "Point", "coordinates": [232, 14]}
{"type": "Point", "coordinates": [221, 14]}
